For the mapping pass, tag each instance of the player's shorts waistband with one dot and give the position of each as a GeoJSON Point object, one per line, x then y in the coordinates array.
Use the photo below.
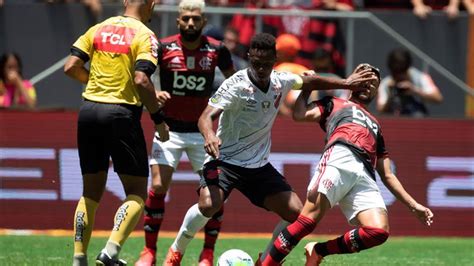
{"type": "Point", "coordinates": [182, 126]}
{"type": "Point", "coordinates": [131, 107]}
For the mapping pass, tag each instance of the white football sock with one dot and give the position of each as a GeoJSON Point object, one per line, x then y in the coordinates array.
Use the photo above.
{"type": "Point", "coordinates": [278, 228]}
{"type": "Point", "coordinates": [193, 221]}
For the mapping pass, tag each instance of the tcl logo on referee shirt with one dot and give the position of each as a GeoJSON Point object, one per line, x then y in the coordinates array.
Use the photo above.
{"type": "Point", "coordinates": [114, 39]}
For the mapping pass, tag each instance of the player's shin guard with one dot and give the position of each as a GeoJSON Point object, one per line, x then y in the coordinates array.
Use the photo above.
{"type": "Point", "coordinates": [193, 221]}
{"type": "Point", "coordinates": [153, 217]}
{"type": "Point", "coordinates": [353, 241]}
{"type": "Point", "coordinates": [125, 220]}
{"type": "Point", "coordinates": [83, 223]}
{"type": "Point", "coordinates": [288, 239]}
{"type": "Point", "coordinates": [212, 229]}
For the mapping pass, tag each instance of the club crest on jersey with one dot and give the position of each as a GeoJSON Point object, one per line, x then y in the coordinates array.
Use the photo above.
{"type": "Point", "coordinates": [205, 63]}
{"type": "Point", "coordinates": [266, 106]}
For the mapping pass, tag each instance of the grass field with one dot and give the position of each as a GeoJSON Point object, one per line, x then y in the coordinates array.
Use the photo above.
{"type": "Point", "coordinates": [50, 250]}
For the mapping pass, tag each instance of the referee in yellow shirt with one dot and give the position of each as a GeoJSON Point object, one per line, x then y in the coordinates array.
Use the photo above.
{"type": "Point", "coordinates": [123, 55]}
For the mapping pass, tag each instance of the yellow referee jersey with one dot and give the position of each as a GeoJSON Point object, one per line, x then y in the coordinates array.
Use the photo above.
{"type": "Point", "coordinates": [114, 48]}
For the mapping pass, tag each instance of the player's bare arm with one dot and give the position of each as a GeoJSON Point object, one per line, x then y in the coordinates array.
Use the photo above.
{"type": "Point", "coordinates": [75, 69]}
{"type": "Point", "coordinates": [423, 213]}
{"type": "Point", "coordinates": [146, 90]}
{"type": "Point", "coordinates": [211, 141]}
{"type": "Point", "coordinates": [356, 81]}
{"type": "Point", "coordinates": [304, 111]}
{"type": "Point", "coordinates": [162, 97]}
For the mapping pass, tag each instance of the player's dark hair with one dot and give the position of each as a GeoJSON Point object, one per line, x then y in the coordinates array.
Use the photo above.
{"type": "Point", "coordinates": [3, 62]}
{"type": "Point", "coordinates": [263, 41]}
{"type": "Point", "coordinates": [373, 69]}
{"type": "Point", "coordinates": [399, 60]}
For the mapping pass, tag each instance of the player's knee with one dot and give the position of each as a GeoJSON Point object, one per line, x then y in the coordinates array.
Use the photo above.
{"type": "Point", "coordinates": [209, 207]}
{"type": "Point", "coordinates": [374, 236]}
{"type": "Point", "coordinates": [158, 188]}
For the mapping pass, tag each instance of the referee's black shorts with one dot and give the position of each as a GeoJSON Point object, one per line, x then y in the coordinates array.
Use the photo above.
{"type": "Point", "coordinates": [111, 131]}
{"type": "Point", "coordinates": [255, 183]}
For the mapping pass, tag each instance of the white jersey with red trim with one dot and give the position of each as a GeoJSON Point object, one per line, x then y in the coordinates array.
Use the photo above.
{"type": "Point", "coordinates": [248, 115]}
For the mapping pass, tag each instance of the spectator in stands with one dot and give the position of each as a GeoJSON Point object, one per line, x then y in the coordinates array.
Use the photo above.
{"type": "Point", "coordinates": [421, 8]}
{"type": "Point", "coordinates": [231, 41]}
{"type": "Point", "coordinates": [95, 6]}
{"type": "Point", "coordinates": [324, 66]}
{"type": "Point", "coordinates": [287, 46]}
{"type": "Point", "coordinates": [407, 89]}
{"type": "Point", "coordinates": [14, 90]}
{"type": "Point", "coordinates": [324, 33]}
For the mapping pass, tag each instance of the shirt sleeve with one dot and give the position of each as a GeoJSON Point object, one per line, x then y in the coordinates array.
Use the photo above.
{"type": "Point", "coordinates": [381, 150]}
{"type": "Point", "coordinates": [30, 89]}
{"type": "Point", "coordinates": [427, 84]}
{"type": "Point", "coordinates": [85, 43]}
{"type": "Point", "coordinates": [325, 106]}
{"type": "Point", "coordinates": [147, 47]}
{"type": "Point", "coordinates": [291, 81]}
{"type": "Point", "coordinates": [225, 97]}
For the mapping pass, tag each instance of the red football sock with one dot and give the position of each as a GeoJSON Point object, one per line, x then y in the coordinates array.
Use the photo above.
{"type": "Point", "coordinates": [288, 239]}
{"type": "Point", "coordinates": [353, 241]}
{"type": "Point", "coordinates": [212, 229]}
{"type": "Point", "coordinates": [154, 211]}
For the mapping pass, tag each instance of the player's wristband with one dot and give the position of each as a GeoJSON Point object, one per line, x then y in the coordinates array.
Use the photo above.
{"type": "Point", "coordinates": [158, 117]}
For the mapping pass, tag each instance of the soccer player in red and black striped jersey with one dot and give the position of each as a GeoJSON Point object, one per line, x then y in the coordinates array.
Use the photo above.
{"type": "Point", "coordinates": [187, 62]}
{"type": "Point", "coordinates": [346, 176]}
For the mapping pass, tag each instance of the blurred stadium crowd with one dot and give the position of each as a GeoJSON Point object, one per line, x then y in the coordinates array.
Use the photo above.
{"type": "Point", "coordinates": [305, 43]}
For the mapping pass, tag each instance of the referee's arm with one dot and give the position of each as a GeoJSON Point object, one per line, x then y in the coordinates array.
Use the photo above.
{"type": "Point", "coordinates": [74, 66]}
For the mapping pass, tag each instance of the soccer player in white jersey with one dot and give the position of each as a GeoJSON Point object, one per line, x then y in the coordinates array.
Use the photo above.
{"type": "Point", "coordinates": [247, 104]}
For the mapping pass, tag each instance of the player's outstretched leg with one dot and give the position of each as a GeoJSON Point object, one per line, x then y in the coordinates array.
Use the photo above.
{"type": "Point", "coordinates": [193, 221]}
{"type": "Point", "coordinates": [288, 239]}
{"type": "Point", "coordinates": [211, 232]}
{"type": "Point", "coordinates": [355, 240]}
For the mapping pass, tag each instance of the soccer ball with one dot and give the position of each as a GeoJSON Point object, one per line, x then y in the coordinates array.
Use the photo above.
{"type": "Point", "coordinates": [235, 257]}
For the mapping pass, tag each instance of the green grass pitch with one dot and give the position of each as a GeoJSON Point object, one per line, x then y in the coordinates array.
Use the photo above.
{"type": "Point", "coordinates": [49, 250]}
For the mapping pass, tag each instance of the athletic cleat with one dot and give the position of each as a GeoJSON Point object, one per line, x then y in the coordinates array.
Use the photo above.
{"type": "Point", "coordinates": [173, 258]}
{"type": "Point", "coordinates": [258, 262]}
{"type": "Point", "coordinates": [207, 257]}
{"type": "Point", "coordinates": [104, 259]}
{"type": "Point", "coordinates": [312, 257]}
{"type": "Point", "coordinates": [147, 257]}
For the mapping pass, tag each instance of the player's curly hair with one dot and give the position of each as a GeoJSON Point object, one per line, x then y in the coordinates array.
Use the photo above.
{"type": "Point", "coordinates": [191, 4]}
{"type": "Point", "coordinates": [263, 41]}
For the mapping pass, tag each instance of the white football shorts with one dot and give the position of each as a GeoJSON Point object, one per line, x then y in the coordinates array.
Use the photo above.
{"type": "Point", "coordinates": [170, 152]}
{"type": "Point", "coordinates": [343, 179]}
